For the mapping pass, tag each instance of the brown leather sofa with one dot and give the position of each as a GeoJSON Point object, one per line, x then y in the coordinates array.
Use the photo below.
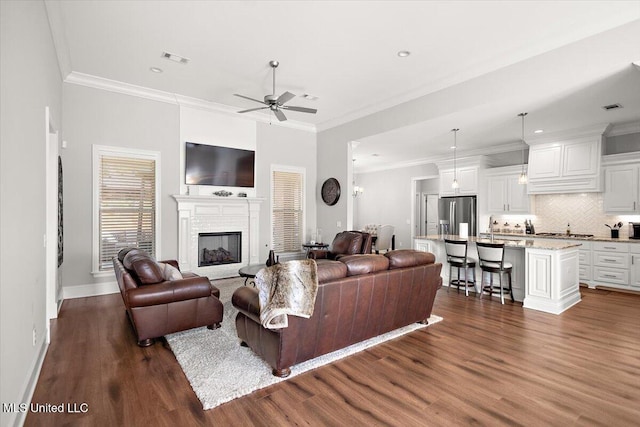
{"type": "Point", "coordinates": [157, 306]}
{"type": "Point", "coordinates": [345, 243]}
{"type": "Point", "coordinates": [359, 297]}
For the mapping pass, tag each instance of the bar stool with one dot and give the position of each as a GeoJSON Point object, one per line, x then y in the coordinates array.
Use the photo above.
{"type": "Point", "coordinates": [491, 257]}
{"type": "Point", "coordinates": [457, 257]}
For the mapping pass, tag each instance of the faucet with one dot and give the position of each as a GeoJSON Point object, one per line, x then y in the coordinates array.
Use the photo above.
{"type": "Point", "coordinates": [491, 227]}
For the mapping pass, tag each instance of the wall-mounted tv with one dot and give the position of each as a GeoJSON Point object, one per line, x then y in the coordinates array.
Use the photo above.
{"type": "Point", "coordinates": [221, 166]}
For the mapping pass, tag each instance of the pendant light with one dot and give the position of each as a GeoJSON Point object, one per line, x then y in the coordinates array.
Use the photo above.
{"type": "Point", "coordinates": [455, 184]}
{"type": "Point", "coordinates": [523, 179]}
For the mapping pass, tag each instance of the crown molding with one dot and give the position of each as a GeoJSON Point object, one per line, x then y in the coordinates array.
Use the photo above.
{"type": "Point", "coordinates": [624, 128]}
{"type": "Point", "coordinates": [587, 131]}
{"type": "Point", "coordinates": [101, 83]}
{"type": "Point", "coordinates": [109, 85]}
{"type": "Point", "coordinates": [621, 159]}
{"type": "Point", "coordinates": [468, 156]}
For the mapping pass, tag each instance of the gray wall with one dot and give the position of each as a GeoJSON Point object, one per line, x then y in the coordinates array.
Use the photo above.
{"type": "Point", "coordinates": [29, 81]}
{"type": "Point", "coordinates": [93, 116]}
{"type": "Point", "coordinates": [622, 144]}
{"type": "Point", "coordinates": [387, 199]}
{"type": "Point", "coordinates": [334, 161]}
{"type": "Point", "coordinates": [286, 147]}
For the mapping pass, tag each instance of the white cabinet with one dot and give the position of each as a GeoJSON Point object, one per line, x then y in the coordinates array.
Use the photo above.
{"type": "Point", "coordinates": [545, 161]}
{"type": "Point", "coordinates": [422, 245]}
{"type": "Point", "coordinates": [584, 261]}
{"type": "Point", "coordinates": [568, 166]}
{"type": "Point", "coordinates": [621, 188]}
{"type": "Point", "coordinates": [504, 193]}
{"type": "Point", "coordinates": [611, 263]}
{"type": "Point", "coordinates": [467, 181]}
{"type": "Point", "coordinates": [634, 268]}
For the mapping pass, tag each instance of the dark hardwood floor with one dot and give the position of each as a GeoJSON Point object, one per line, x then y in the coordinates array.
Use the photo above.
{"type": "Point", "coordinates": [485, 364]}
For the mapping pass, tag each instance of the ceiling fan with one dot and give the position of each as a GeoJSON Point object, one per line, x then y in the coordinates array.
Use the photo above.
{"type": "Point", "coordinates": [276, 103]}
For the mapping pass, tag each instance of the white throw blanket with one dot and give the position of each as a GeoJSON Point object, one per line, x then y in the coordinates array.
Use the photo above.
{"type": "Point", "coordinates": [287, 288]}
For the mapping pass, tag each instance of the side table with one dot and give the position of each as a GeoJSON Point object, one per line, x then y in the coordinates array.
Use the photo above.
{"type": "Point", "coordinates": [249, 272]}
{"type": "Point", "coordinates": [308, 246]}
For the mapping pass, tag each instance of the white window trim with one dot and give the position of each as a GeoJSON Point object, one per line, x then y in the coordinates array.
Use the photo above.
{"type": "Point", "coordinates": [101, 150]}
{"type": "Point", "coordinates": [303, 172]}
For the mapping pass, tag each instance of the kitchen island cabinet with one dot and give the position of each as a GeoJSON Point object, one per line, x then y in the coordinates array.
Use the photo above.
{"type": "Point", "coordinates": [603, 261]}
{"type": "Point", "coordinates": [545, 272]}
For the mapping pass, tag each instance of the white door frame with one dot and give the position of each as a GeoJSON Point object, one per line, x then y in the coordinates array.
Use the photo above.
{"type": "Point", "coordinates": [414, 186]}
{"type": "Point", "coordinates": [51, 221]}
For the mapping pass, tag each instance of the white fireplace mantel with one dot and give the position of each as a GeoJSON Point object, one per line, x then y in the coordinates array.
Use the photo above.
{"type": "Point", "coordinates": [213, 214]}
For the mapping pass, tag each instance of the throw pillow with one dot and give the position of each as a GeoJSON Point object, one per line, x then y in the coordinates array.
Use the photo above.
{"type": "Point", "coordinates": [170, 272]}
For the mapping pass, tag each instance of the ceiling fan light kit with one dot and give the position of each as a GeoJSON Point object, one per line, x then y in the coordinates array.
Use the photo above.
{"type": "Point", "coordinates": [276, 103]}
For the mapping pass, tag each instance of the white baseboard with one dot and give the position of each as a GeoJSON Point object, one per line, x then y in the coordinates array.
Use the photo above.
{"type": "Point", "coordinates": [19, 417]}
{"type": "Point", "coordinates": [90, 290]}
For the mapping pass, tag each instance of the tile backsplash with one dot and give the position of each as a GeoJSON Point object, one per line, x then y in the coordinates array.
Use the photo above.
{"type": "Point", "coordinates": [584, 211]}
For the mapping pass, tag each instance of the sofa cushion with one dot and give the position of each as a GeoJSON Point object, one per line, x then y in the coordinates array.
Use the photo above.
{"type": "Point", "coordinates": [330, 270]}
{"type": "Point", "coordinates": [402, 258]}
{"type": "Point", "coordinates": [364, 264]}
{"type": "Point", "coordinates": [146, 269]}
{"type": "Point", "coordinates": [124, 252]}
{"type": "Point", "coordinates": [347, 243]}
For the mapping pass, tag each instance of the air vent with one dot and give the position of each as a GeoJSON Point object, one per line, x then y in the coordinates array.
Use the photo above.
{"type": "Point", "coordinates": [611, 107]}
{"type": "Point", "coordinates": [175, 58]}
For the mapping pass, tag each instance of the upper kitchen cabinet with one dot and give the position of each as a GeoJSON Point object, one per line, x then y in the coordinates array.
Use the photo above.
{"type": "Point", "coordinates": [504, 194]}
{"type": "Point", "coordinates": [622, 184]}
{"type": "Point", "coordinates": [467, 182]}
{"type": "Point", "coordinates": [467, 172]}
{"type": "Point", "coordinates": [569, 164]}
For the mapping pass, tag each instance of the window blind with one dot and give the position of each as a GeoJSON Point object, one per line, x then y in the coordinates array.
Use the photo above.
{"type": "Point", "coordinates": [287, 214]}
{"type": "Point", "coordinates": [127, 206]}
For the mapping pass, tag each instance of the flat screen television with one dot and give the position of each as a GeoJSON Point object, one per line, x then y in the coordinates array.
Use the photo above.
{"type": "Point", "coordinates": [221, 166]}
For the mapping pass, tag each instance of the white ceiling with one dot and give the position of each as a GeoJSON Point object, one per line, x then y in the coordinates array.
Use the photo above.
{"type": "Point", "coordinates": [473, 65]}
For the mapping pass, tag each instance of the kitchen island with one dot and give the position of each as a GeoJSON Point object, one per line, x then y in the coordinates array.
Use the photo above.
{"type": "Point", "coordinates": [545, 272]}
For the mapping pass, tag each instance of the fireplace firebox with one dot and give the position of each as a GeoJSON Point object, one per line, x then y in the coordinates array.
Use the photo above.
{"type": "Point", "coordinates": [219, 248]}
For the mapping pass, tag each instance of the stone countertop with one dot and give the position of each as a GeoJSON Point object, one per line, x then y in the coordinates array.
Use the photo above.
{"type": "Point", "coordinates": [588, 239]}
{"type": "Point", "coordinates": [547, 244]}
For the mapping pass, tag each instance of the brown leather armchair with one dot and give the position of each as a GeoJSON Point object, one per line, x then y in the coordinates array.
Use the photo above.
{"type": "Point", "coordinates": [345, 243]}
{"type": "Point", "coordinates": [159, 304]}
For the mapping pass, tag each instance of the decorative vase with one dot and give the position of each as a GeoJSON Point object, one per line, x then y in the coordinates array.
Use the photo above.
{"type": "Point", "coordinates": [272, 258]}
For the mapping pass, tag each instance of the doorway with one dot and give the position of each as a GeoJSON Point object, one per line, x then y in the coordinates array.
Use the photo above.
{"type": "Point", "coordinates": [425, 205]}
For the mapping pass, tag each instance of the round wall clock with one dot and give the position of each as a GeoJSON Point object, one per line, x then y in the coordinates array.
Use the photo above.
{"type": "Point", "coordinates": [331, 191]}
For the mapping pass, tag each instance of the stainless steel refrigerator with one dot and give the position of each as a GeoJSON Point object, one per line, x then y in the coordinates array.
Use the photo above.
{"type": "Point", "coordinates": [456, 210]}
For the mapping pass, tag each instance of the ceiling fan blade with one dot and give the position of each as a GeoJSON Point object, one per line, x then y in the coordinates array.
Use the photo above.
{"type": "Point", "coordinates": [280, 115]}
{"type": "Point", "coordinates": [285, 97]}
{"type": "Point", "coordinates": [250, 99]}
{"type": "Point", "coordinates": [300, 109]}
{"type": "Point", "coordinates": [253, 109]}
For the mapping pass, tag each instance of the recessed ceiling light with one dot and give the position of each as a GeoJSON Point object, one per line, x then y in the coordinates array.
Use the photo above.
{"type": "Point", "coordinates": [155, 69]}
{"type": "Point", "coordinates": [310, 97]}
{"type": "Point", "coordinates": [376, 155]}
{"type": "Point", "coordinates": [403, 53]}
{"type": "Point", "coordinates": [175, 58]}
{"type": "Point", "coordinates": [538, 131]}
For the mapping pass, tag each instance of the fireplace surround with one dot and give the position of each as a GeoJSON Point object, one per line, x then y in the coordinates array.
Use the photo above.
{"type": "Point", "coordinates": [214, 215]}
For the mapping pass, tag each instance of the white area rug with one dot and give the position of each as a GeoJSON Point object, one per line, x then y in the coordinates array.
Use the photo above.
{"type": "Point", "coordinates": [220, 370]}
